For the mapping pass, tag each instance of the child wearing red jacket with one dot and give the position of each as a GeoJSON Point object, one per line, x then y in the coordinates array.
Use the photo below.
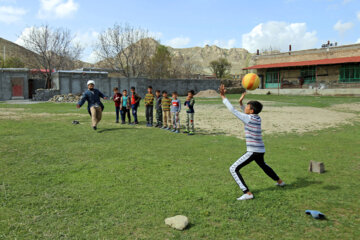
{"type": "Point", "coordinates": [117, 98]}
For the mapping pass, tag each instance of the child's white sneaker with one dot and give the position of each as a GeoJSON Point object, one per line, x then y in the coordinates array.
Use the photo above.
{"type": "Point", "coordinates": [246, 197]}
{"type": "Point", "coordinates": [280, 184]}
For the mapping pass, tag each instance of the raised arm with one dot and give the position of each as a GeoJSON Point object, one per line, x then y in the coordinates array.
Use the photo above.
{"type": "Point", "coordinates": [242, 116]}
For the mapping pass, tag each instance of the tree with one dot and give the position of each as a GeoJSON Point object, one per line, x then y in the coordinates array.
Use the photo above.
{"type": "Point", "coordinates": [12, 62]}
{"type": "Point", "coordinates": [126, 49]}
{"type": "Point", "coordinates": [54, 49]}
{"type": "Point", "coordinates": [220, 68]}
{"type": "Point", "coordinates": [160, 63]}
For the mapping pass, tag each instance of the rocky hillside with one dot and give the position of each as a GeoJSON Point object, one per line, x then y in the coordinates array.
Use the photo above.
{"type": "Point", "coordinates": [238, 57]}
{"type": "Point", "coordinates": [201, 56]}
{"type": "Point", "coordinates": [14, 50]}
{"type": "Point", "coordinates": [26, 56]}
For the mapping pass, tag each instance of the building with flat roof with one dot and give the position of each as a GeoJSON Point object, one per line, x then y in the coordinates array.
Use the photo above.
{"type": "Point", "coordinates": [331, 66]}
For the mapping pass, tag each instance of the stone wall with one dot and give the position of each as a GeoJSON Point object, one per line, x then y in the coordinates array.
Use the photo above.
{"type": "Point", "coordinates": [181, 86]}
{"type": "Point", "coordinates": [75, 82]}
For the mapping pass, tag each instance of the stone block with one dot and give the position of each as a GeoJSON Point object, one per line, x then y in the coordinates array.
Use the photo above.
{"type": "Point", "coordinates": [317, 167]}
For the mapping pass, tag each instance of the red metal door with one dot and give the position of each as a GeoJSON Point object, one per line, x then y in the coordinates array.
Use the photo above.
{"type": "Point", "coordinates": [17, 87]}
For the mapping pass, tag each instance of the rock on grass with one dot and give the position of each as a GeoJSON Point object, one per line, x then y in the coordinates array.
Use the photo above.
{"type": "Point", "coordinates": [178, 222]}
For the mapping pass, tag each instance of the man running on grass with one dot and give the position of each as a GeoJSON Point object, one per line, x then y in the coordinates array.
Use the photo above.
{"type": "Point", "coordinates": [95, 106]}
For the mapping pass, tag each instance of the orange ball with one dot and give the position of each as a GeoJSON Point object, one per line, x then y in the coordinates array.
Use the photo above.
{"type": "Point", "coordinates": [251, 81]}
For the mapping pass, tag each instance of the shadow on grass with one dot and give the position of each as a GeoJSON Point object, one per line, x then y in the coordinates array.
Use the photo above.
{"type": "Point", "coordinates": [299, 183]}
{"type": "Point", "coordinates": [111, 129]}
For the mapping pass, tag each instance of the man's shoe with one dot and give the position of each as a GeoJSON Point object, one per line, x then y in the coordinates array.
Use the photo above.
{"type": "Point", "coordinates": [94, 127]}
{"type": "Point", "coordinates": [280, 184]}
{"type": "Point", "coordinates": [116, 121]}
{"type": "Point", "coordinates": [245, 197]}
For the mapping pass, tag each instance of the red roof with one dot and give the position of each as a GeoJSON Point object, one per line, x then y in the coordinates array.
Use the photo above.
{"type": "Point", "coordinates": [33, 71]}
{"type": "Point", "coordinates": [308, 63]}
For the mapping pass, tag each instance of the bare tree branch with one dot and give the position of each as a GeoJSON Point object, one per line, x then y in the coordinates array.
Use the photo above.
{"type": "Point", "coordinates": [54, 48]}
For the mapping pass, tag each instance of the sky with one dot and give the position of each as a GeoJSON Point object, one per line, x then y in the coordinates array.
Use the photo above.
{"type": "Point", "coordinates": [249, 24]}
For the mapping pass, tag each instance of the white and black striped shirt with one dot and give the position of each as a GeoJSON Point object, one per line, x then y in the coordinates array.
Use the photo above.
{"type": "Point", "coordinates": [253, 135]}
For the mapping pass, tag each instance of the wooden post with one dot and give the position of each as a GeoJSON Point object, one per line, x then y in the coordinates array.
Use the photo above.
{"type": "Point", "coordinates": [278, 83]}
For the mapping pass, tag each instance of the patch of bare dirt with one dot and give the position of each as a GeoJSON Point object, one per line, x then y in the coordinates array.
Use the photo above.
{"type": "Point", "coordinates": [207, 94]}
{"type": "Point", "coordinates": [216, 119]}
{"type": "Point", "coordinates": [346, 107]}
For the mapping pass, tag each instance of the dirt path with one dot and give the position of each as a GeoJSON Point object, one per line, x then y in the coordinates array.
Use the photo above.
{"type": "Point", "coordinates": [216, 119]}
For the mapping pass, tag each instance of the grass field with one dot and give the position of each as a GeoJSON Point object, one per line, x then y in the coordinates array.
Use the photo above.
{"type": "Point", "coordinates": [64, 181]}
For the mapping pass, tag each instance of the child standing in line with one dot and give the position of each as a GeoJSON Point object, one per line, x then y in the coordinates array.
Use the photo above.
{"type": "Point", "coordinates": [158, 109]}
{"type": "Point", "coordinates": [189, 104]}
{"type": "Point", "coordinates": [175, 111]}
{"type": "Point", "coordinates": [135, 102]}
{"type": "Point", "coordinates": [165, 104]}
{"type": "Point", "coordinates": [254, 143]}
{"type": "Point", "coordinates": [125, 107]}
{"type": "Point", "coordinates": [149, 106]}
{"type": "Point", "coordinates": [117, 99]}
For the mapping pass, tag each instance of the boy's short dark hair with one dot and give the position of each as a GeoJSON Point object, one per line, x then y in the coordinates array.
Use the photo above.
{"type": "Point", "coordinates": [132, 88]}
{"type": "Point", "coordinates": [255, 106]}
{"type": "Point", "coordinates": [116, 89]}
{"type": "Point", "coordinates": [150, 87]}
{"type": "Point", "coordinates": [157, 91]}
{"type": "Point", "coordinates": [174, 93]}
{"type": "Point", "coordinates": [164, 92]}
{"type": "Point", "coordinates": [192, 92]}
{"type": "Point", "coordinates": [124, 90]}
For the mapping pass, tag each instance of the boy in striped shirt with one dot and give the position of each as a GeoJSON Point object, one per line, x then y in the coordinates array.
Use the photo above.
{"type": "Point", "coordinates": [165, 104]}
{"type": "Point", "coordinates": [254, 143]}
{"type": "Point", "coordinates": [149, 106]}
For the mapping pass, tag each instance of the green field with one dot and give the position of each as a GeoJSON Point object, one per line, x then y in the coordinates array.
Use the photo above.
{"type": "Point", "coordinates": [64, 181]}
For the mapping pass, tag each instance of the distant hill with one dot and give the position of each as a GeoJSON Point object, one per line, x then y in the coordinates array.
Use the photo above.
{"type": "Point", "coordinates": [202, 56]}
{"type": "Point", "coordinates": [15, 50]}
{"type": "Point", "coordinates": [26, 56]}
{"type": "Point", "coordinates": [238, 57]}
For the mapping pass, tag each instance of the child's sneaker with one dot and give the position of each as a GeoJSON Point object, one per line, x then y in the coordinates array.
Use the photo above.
{"type": "Point", "coordinates": [174, 130]}
{"type": "Point", "coordinates": [177, 131]}
{"type": "Point", "coordinates": [280, 184]}
{"type": "Point", "coordinates": [186, 131]}
{"type": "Point", "coordinates": [191, 133]}
{"type": "Point", "coordinates": [246, 197]}
{"type": "Point", "coordinates": [168, 128]}
{"type": "Point", "coordinates": [164, 127]}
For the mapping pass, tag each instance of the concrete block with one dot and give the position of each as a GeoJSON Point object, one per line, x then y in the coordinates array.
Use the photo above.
{"type": "Point", "coordinates": [317, 167]}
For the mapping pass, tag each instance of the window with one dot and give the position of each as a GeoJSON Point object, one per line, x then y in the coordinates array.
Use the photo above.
{"type": "Point", "coordinates": [350, 73]}
{"type": "Point", "coordinates": [309, 74]}
{"type": "Point", "coordinates": [272, 76]}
